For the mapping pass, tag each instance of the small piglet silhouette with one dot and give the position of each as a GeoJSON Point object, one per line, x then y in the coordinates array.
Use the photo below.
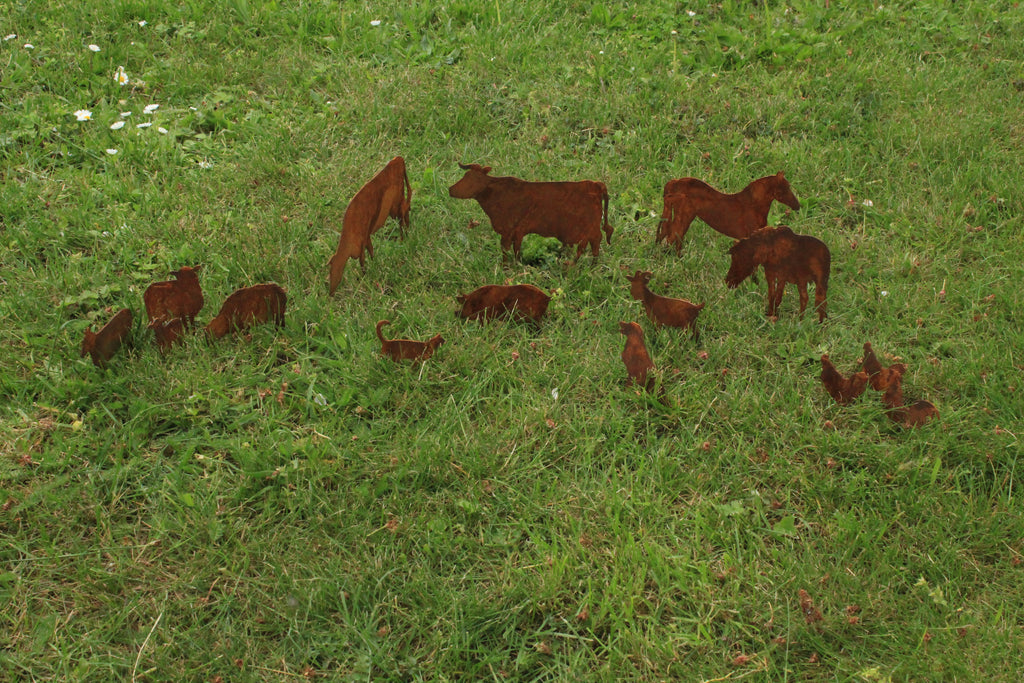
{"type": "Point", "coordinates": [386, 195]}
{"type": "Point", "coordinates": [638, 362]}
{"type": "Point", "coordinates": [102, 345]}
{"type": "Point", "coordinates": [178, 298]}
{"type": "Point", "coordinates": [407, 349]}
{"type": "Point", "coordinates": [786, 257]}
{"type": "Point", "coordinates": [249, 306]}
{"type": "Point", "coordinates": [167, 332]}
{"type": "Point", "coordinates": [663, 310]}
{"type": "Point", "coordinates": [844, 390]}
{"type": "Point", "coordinates": [519, 302]}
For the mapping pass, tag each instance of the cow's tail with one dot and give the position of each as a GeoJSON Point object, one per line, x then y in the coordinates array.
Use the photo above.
{"type": "Point", "coordinates": [607, 228]}
{"type": "Point", "coordinates": [380, 326]}
{"type": "Point", "coordinates": [404, 222]}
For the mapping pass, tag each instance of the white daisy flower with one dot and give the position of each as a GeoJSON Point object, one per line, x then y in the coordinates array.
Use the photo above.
{"type": "Point", "coordinates": [125, 114]}
{"type": "Point", "coordinates": [83, 115]}
{"type": "Point", "coordinates": [150, 108]}
{"type": "Point", "coordinates": [121, 76]}
{"type": "Point", "coordinates": [143, 22]}
{"type": "Point", "coordinates": [111, 151]}
{"type": "Point", "coordinates": [161, 130]}
{"type": "Point", "coordinates": [94, 48]}
{"type": "Point", "coordinates": [147, 124]}
{"type": "Point", "coordinates": [375, 22]}
{"type": "Point", "coordinates": [10, 36]}
{"type": "Point", "coordinates": [117, 125]}
{"type": "Point", "coordinates": [554, 393]}
{"type": "Point", "coordinates": [29, 46]}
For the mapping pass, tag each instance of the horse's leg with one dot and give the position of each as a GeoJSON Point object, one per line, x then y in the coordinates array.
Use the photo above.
{"type": "Point", "coordinates": [802, 288]}
{"type": "Point", "coordinates": [682, 227]}
{"type": "Point", "coordinates": [780, 289]}
{"type": "Point", "coordinates": [820, 292]}
{"type": "Point", "coordinates": [771, 292]}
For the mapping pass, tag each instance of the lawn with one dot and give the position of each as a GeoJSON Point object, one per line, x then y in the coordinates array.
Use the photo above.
{"type": "Point", "coordinates": [287, 504]}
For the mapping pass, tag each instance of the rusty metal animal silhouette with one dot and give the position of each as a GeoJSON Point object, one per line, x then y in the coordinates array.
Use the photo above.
{"type": "Point", "coordinates": [735, 215]}
{"type": "Point", "coordinates": [786, 257]}
{"type": "Point", "coordinates": [101, 346]}
{"type": "Point", "coordinates": [572, 212]}
{"type": "Point", "coordinates": [387, 195]}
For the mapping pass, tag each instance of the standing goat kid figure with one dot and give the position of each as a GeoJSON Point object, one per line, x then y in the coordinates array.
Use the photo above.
{"type": "Point", "coordinates": [786, 257]}
{"type": "Point", "coordinates": [663, 310]}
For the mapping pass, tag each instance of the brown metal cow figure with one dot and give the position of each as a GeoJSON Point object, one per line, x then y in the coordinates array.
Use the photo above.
{"type": "Point", "coordinates": [406, 349]}
{"type": "Point", "coordinates": [736, 215]}
{"type": "Point", "coordinates": [101, 346]}
{"type": "Point", "coordinates": [520, 302]}
{"type": "Point", "coordinates": [178, 298]}
{"type": "Point", "coordinates": [663, 310]}
{"type": "Point", "coordinates": [572, 212]}
{"type": "Point", "coordinates": [249, 306]}
{"type": "Point", "coordinates": [786, 257]}
{"type": "Point", "coordinates": [387, 195]}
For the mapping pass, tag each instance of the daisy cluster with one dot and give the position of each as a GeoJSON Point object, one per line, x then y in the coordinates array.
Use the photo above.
{"type": "Point", "coordinates": [121, 78]}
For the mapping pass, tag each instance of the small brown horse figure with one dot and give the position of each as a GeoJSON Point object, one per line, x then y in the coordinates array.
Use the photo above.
{"type": "Point", "coordinates": [406, 349]}
{"type": "Point", "coordinates": [736, 215]}
{"type": "Point", "coordinates": [101, 346]}
{"type": "Point", "coordinates": [786, 257]}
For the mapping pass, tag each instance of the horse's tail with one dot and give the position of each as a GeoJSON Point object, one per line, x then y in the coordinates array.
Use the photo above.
{"type": "Point", "coordinates": [380, 326]}
{"type": "Point", "coordinates": [404, 220]}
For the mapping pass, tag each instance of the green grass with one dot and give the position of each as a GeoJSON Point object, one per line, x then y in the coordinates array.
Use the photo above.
{"type": "Point", "coordinates": [288, 504]}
